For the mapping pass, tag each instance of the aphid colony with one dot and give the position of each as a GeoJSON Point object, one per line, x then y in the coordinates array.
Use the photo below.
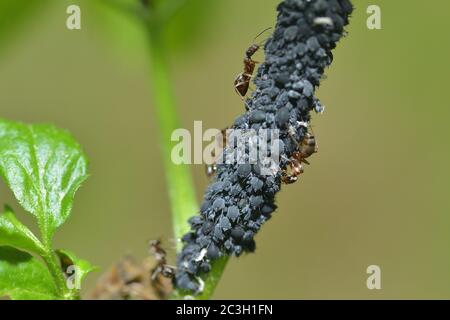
{"type": "Point", "coordinates": [240, 199]}
{"type": "Point", "coordinates": [306, 147]}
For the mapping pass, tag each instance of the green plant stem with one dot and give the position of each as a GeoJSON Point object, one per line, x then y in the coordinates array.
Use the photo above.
{"type": "Point", "coordinates": [54, 266]}
{"type": "Point", "coordinates": [179, 180]}
{"type": "Point", "coordinates": [217, 268]}
{"type": "Point", "coordinates": [58, 277]}
{"type": "Point", "coordinates": [170, 8]}
{"type": "Point", "coordinates": [178, 177]}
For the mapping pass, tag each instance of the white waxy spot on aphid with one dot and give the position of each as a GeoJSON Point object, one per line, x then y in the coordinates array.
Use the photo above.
{"type": "Point", "coordinates": [323, 21]}
{"type": "Point", "coordinates": [201, 255]}
{"type": "Point", "coordinates": [201, 285]}
{"type": "Point", "coordinates": [303, 124]}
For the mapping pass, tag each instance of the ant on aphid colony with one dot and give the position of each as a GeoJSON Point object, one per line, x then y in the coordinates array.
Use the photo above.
{"type": "Point", "coordinates": [162, 268]}
{"type": "Point", "coordinates": [129, 279]}
{"type": "Point", "coordinates": [306, 148]}
{"type": "Point", "coordinates": [242, 81]}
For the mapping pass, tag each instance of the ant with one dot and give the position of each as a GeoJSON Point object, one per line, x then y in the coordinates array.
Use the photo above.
{"type": "Point", "coordinates": [306, 148]}
{"type": "Point", "coordinates": [162, 268]}
{"type": "Point", "coordinates": [242, 81]}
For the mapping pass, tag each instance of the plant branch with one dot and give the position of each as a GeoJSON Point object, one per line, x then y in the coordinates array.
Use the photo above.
{"type": "Point", "coordinates": [170, 8]}
{"type": "Point", "coordinates": [54, 267]}
{"type": "Point", "coordinates": [213, 278]}
{"type": "Point", "coordinates": [132, 11]}
{"type": "Point", "coordinates": [178, 177]}
{"type": "Point", "coordinates": [179, 181]}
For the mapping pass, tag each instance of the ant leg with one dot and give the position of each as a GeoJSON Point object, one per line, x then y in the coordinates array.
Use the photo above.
{"type": "Point", "coordinates": [168, 271]}
{"type": "Point", "coordinates": [246, 103]}
{"type": "Point", "coordinates": [239, 94]}
{"type": "Point", "coordinates": [293, 139]}
{"type": "Point", "coordinates": [156, 271]}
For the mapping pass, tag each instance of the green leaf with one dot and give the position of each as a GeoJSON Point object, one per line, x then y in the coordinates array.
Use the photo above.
{"type": "Point", "coordinates": [68, 259]}
{"type": "Point", "coordinates": [43, 166]}
{"type": "Point", "coordinates": [14, 233]}
{"type": "Point", "coordinates": [23, 277]}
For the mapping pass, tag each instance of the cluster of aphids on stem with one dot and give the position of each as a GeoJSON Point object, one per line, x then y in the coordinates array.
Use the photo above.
{"type": "Point", "coordinates": [240, 199]}
{"type": "Point", "coordinates": [306, 147]}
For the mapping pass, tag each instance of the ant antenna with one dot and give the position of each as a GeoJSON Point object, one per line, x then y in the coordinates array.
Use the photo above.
{"type": "Point", "coordinates": [261, 33]}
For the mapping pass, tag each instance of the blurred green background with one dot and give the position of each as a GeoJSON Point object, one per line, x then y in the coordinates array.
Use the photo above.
{"type": "Point", "coordinates": [376, 193]}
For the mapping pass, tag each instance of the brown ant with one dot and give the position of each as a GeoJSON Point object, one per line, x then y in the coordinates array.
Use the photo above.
{"type": "Point", "coordinates": [306, 148]}
{"type": "Point", "coordinates": [131, 280]}
{"type": "Point", "coordinates": [162, 268]}
{"type": "Point", "coordinates": [242, 81]}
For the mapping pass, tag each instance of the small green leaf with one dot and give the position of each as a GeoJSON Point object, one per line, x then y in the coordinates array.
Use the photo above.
{"type": "Point", "coordinates": [44, 167]}
{"type": "Point", "coordinates": [14, 233]}
{"type": "Point", "coordinates": [68, 259]}
{"type": "Point", "coordinates": [23, 277]}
